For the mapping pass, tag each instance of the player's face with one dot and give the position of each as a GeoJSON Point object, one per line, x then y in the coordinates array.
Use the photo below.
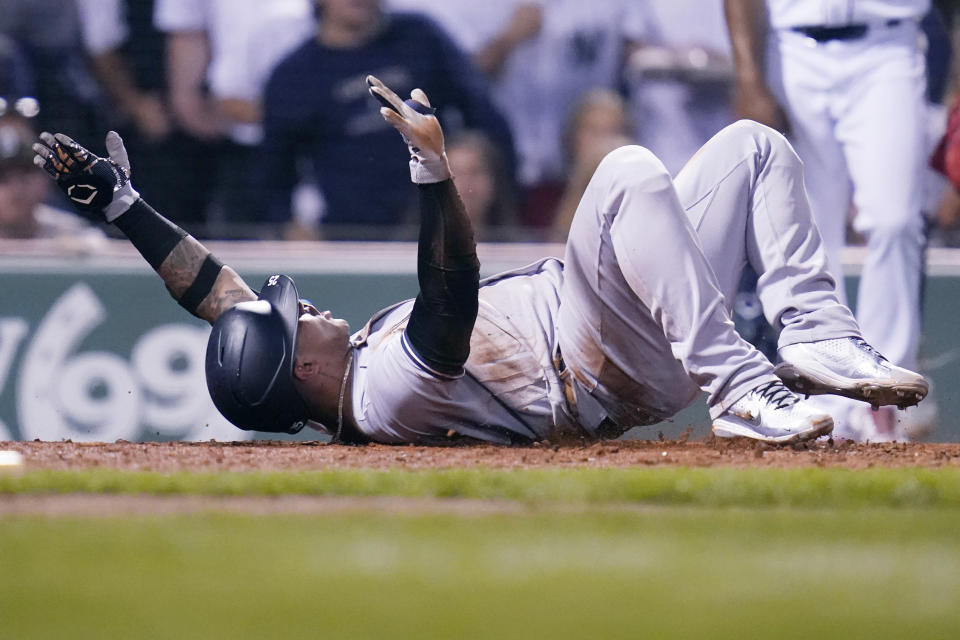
{"type": "Point", "coordinates": [20, 193]}
{"type": "Point", "coordinates": [322, 345]}
{"type": "Point", "coordinates": [319, 332]}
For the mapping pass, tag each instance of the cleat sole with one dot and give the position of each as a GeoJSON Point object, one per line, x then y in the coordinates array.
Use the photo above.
{"type": "Point", "coordinates": [877, 393]}
{"type": "Point", "coordinates": [731, 428]}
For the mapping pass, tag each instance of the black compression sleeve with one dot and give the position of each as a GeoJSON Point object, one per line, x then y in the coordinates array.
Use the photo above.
{"type": "Point", "coordinates": [449, 273]}
{"type": "Point", "coordinates": [153, 235]}
{"type": "Point", "coordinates": [202, 284]}
{"type": "Point", "coordinates": [155, 238]}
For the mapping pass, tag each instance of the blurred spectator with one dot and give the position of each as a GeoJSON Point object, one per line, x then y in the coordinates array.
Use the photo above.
{"type": "Point", "coordinates": [943, 199]}
{"type": "Point", "coordinates": [483, 184]}
{"type": "Point", "coordinates": [946, 157]}
{"type": "Point", "coordinates": [23, 190]}
{"type": "Point", "coordinates": [938, 29]}
{"type": "Point", "coordinates": [541, 56]}
{"type": "Point", "coordinates": [219, 56]}
{"type": "Point", "coordinates": [126, 54]}
{"type": "Point", "coordinates": [946, 161]}
{"type": "Point", "coordinates": [48, 39]}
{"type": "Point", "coordinates": [318, 113]}
{"type": "Point", "coordinates": [599, 124]}
{"type": "Point", "coordinates": [680, 80]}
{"type": "Point", "coordinates": [106, 30]}
{"type": "Point", "coordinates": [16, 74]}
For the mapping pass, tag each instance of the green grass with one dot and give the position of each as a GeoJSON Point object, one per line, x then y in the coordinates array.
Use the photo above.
{"type": "Point", "coordinates": [665, 485]}
{"type": "Point", "coordinates": [656, 572]}
{"type": "Point", "coordinates": [691, 553]}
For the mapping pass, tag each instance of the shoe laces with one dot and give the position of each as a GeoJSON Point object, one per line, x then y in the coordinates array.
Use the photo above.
{"type": "Point", "coordinates": [863, 345]}
{"type": "Point", "coordinates": [776, 394]}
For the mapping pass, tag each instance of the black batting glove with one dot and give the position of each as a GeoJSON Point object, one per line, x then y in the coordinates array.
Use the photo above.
{"type": "Point", "coordinates": [95, 186]}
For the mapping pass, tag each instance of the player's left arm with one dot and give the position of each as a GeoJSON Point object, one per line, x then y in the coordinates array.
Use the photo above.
{"type": "Point", "coordinates": [444, 312]}
{"type": "Point", "coordinates": [101, 187]}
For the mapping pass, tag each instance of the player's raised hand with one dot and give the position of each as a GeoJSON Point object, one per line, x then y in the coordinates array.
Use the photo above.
{"type": "Point", "coordinates": [420, 129]}
{"type": "Point", "coordinates": [93, 184]}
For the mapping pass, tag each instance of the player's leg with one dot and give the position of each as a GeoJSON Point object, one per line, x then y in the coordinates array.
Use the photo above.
{"type": "Point", "coordinates": [744, 194]}
{"type": "Point", "coordinates": [643, 322]}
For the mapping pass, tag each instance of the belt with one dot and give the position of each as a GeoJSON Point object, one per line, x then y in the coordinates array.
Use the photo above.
{"type": "Point", "coordinates": [584, 408]}
{"type": "Point", "coordinates": [845, 32]}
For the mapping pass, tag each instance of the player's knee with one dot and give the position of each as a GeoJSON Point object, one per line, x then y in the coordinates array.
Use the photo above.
{"type": "Point", "coordinates": [766, 142]}
{"type": "Point", "coordinates": [633, 167]}
{"type": "Point", "coordinates": [753, 129]}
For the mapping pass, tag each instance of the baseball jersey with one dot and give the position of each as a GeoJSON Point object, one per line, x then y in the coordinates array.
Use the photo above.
{"type": "Point", "coordinates": [784, 14]}
{"type": "Point", "coordinates": [511, 389]}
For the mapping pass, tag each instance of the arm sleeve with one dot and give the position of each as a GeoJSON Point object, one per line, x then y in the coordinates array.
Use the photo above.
{"type": "Point", "coordinates": [449, 274]}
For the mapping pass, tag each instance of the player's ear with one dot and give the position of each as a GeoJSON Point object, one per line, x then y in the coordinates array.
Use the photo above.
{"type": "Point", "coordinates": [303, 370]}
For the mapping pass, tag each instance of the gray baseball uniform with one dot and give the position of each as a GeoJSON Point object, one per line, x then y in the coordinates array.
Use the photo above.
{"type": "Point", "coordinates": [635, 322]}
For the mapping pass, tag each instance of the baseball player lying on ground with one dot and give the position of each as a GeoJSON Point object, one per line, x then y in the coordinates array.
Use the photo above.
{"type": "Point", "coordinates": [626, 331]}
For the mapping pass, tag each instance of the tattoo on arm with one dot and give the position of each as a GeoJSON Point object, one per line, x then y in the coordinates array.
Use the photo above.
{"type": "Point", "coordinates": [180, 269]}
{"type": "Point", "coordinates": [227, 291]}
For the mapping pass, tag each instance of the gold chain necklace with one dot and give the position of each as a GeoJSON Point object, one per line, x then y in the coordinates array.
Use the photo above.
{"type": "Point", "coordinates": [343, 393]}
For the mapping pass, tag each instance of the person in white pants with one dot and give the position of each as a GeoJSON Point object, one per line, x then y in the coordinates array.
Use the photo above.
{"type": "Point", "coordinates": [845, 80]}
{"type": "Point", "coordinates": [628, 331]}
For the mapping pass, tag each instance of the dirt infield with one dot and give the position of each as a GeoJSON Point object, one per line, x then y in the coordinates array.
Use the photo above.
{"type": "Point", "coordinates": [280, 456]}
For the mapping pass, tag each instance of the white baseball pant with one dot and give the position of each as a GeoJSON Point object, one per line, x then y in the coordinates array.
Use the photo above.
{"type": "Point", "coordinates": [857, 114]}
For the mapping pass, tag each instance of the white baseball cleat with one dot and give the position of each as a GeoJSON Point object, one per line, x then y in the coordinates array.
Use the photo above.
{"type": "Point", "coordinates": [849, 367]}
{"type": "Point", "coordinates": [772, 413]}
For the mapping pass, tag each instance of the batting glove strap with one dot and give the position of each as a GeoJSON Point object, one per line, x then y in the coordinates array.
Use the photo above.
{"type": "Point", "coordinates": [123, 199]}
{"type": "Point", "coordinates": [429, 170]}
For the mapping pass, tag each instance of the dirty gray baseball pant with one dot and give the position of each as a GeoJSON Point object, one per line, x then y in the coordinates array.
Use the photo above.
{"type": "Point", "coordinates": [651, 264]}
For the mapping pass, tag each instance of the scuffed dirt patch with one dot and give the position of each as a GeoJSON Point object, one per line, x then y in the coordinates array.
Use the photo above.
{"type": "Point", "coordinates": [288, 456]}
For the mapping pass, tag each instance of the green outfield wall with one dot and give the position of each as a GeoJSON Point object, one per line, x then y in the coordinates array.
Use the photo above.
{"type": "Point", "coordinates": [94, 349]}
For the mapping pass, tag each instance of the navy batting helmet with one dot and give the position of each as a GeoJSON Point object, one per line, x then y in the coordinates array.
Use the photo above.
{"type": "Point", "coordinates": [250, 361]}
